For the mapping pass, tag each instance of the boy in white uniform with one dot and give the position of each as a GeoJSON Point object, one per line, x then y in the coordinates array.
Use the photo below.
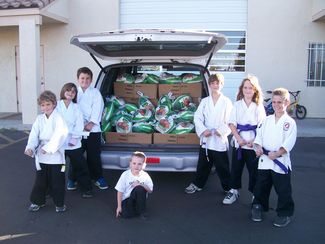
{"type": "Point", "coordinates": [46, 143]}
{"type": "Point", "coordinates": [211, 125]}
{"type": "Point", "coordinates": [133, 188]}
{"type": "Point", "coordinates": [275, 139]}
{"type": "Point", "coordinates": [91, 104]}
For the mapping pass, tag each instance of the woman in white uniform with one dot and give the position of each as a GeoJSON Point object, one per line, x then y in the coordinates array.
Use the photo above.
{"type": "Point", "coordinates": [211, 125]}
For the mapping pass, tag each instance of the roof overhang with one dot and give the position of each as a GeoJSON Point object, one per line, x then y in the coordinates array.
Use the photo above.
{"type": "Point", "coordinates": [55, 12]}
{"type": "Point", "coordinates": [318, 10]}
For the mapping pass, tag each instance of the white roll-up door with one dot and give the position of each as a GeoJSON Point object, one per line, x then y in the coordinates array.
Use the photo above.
{"type": "Point", "coordinates": [184, 14]}
{"type": "Point", "coordinates": [209, 15]}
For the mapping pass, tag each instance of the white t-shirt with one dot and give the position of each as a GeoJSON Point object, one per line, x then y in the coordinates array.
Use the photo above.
{"type": "Point", "coordinates": [272, 136]}
{"type": "Point", "coordinates": [243, 115]}
{"type": "Point", "coordinates": [213, 116]}
{"type": "Point", "coordinates": [126, 180]}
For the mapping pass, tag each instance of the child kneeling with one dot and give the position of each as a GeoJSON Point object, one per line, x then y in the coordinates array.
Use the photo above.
{"type": "Point", "coordinates": [133, 188]}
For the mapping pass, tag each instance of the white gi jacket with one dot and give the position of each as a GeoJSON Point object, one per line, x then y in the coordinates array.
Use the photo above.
{"type": "Point", "coordinates": [50, 135]}
{"type": "Point", "coordinates": [73, 117]}
{"type": "Point", "coordinates": [252, 115]}
{"type": "Point", "coordinates": [213, 116]}
{"type": "Point", "coordinates": [272, 136]}
{"type": "Point", "coordinates": [124, 184]}
{"type": "Point", "coordinates": [91, 105]}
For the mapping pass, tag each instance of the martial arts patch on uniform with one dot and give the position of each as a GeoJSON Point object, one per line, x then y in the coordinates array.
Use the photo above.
{"type": "Point", "coordinates": [286, 126]}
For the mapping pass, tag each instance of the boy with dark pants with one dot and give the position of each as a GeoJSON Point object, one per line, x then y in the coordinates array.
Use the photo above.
{"type": "Point", "coordinates": [46, 143]}
{"type": "Point", "coordinates": [133, 188]}
{"type": "Point", "coordinates": [275, 139]}
{"type": "Point", "coordinates": [91, 103]}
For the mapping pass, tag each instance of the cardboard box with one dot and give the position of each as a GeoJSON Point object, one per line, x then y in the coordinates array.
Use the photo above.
{"type": "Point", "coordinates": [140, 138]}
{"type": "Point", "coordinates": [136, 100]}
{"type": "Point", "coordinates": [190, 138]}
{"type": "Point", "coordinates": [193, 89]}
{"type": "Point", "coordinates": [164, 138]}
{"type": "Point", "coordinates": [130, 90]}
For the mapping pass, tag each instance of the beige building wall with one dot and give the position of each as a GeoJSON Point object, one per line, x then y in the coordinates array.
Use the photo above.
{"type": "Point", "coordinates": [278, 35]}
{"type": "Point", "coordinates": [61, 60]}
{"type": "Point", "coordinates": [8, 40]}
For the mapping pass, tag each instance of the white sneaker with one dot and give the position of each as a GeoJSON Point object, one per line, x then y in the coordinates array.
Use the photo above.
{"type": "Point", "coordinates": [192, 188]}
{"type": "Point", "coordinates": [231, 197]}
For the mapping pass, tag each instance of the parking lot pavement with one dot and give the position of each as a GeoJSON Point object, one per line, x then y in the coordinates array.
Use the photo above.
{"type": "Point", "coordinates": [174, 217]}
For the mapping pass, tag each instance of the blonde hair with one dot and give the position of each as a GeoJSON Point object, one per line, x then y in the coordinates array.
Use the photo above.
{"type": "Point", "coordinates": [258, 95]}
{"type": "Point", "coordinates": [282, 92]}
{"type": "Point", "coordinates": [142, 156]}
{"type": "Point", "coordinates": [47, 96]}
{"type": "Point", "coordinates": [217, 77]}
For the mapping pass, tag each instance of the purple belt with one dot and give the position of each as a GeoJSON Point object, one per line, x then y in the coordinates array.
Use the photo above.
{"type": "Point", "coordinates": [277, 162]}
{"type": "Point", "coordinates": [241, 128]}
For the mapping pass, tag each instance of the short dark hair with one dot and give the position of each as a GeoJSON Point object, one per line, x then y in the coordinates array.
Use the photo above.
{"type": "Point", "coordinates": [217, 77]}
{"type": "Point", "coordinates": [47, 96]}
{"type": "Point", "coordinates": [85, 70]}
{"type": "Point", "coordinates": [68, 87]}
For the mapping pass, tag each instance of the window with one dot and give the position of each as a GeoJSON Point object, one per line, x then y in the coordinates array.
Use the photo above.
{"type": "Point", "coordinates": [231, 58]}
{"type": "Point", "coordinates": [316, 65]}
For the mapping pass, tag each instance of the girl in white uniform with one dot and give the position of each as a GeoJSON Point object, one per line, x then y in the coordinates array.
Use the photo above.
{"type": "Point", "coordinates": [211, 125]}
{"type": "Point", "coordinates": [72, 115]}
{"type": "Point", "coordinates": [247, 113]}
{"type": "Point", "coordinates": [275, 139]}
{"type": "Point", "coordinates": [46, 143]}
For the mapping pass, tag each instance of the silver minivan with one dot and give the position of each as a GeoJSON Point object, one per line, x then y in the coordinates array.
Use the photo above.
{"type": "Point", "coordinates": [152, 51]}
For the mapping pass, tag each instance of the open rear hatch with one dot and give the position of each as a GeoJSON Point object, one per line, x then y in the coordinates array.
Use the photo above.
{"type": "Point", "coordinates": [151, 45]}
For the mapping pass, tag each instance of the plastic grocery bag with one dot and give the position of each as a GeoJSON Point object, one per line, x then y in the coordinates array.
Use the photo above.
{"type": "Point", "coordinates": [165, 125]}
{"type": "Point", "coordinates": [183, 128]}
{"type": "Point", "coordinates": [125, 78]}
{"type": "Point", "coordinates": [191, 78]}
{"type": "Point", "coordinates": [143, 127]}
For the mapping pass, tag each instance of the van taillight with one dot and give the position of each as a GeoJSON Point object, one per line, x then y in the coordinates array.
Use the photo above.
{"type": "Point", "coordinates": [153, 160]}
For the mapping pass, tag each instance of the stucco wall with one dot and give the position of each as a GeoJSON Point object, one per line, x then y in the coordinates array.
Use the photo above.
{"type": "Point", "coordinates": [278, 34]}
{"type": "Point", "coordinates": [61, 60]}
{"type": "Point", "coordinates": [8, 40]}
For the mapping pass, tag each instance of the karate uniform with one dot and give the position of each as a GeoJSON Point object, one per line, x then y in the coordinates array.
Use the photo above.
{"type": "Point", "coordinates": [213, 117]}
{"type": "Point", "coordinates": [91, 105]}
{"type": "Point", "coordinates": [74, 120]}
{"type": "Point", "coordinates": [48, 134]}
{"type": "Point", "coordinates": [240, 116]}
{"type": "Point", "coordinates": [133, 199]}
{"type": "Point", "coordinates": [272, 136]}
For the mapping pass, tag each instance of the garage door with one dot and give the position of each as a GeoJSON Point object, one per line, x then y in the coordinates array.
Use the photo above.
{"type": "Point", "coordinates": [214, 15]}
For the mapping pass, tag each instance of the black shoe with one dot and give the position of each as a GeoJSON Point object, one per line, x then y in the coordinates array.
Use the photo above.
{"type": "Point", "coordinates": [257, 213]}
{"type": "Point", "coordinates": [281, 221]}
{"type": "Point", "coordinates": [144, 216]}
{"type": "Point", "coordinates": [87, 194]}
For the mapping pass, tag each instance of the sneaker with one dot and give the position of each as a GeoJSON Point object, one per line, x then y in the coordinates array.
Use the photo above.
{"type": "Point", "coordinates": [257, 213]}
{"type": "Point", "coordinates": [71, 185]}
{"type": "Point", "coordinates": [87, 194]}
{"type": "Point", "coordinates": [144, 216]}
{"type": "Point", "coordinates": [101, 183]}
{"type": "Point", "coordinates": [281, 221]}
{"type": "Point", "coordinates": [60, 209]}
{"type": "Point", "coordinates": [34, 207]}
{"type": "Point", "coordinates": [231, 197]}
{"type": "Point", "coordinates": [192, 188]}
